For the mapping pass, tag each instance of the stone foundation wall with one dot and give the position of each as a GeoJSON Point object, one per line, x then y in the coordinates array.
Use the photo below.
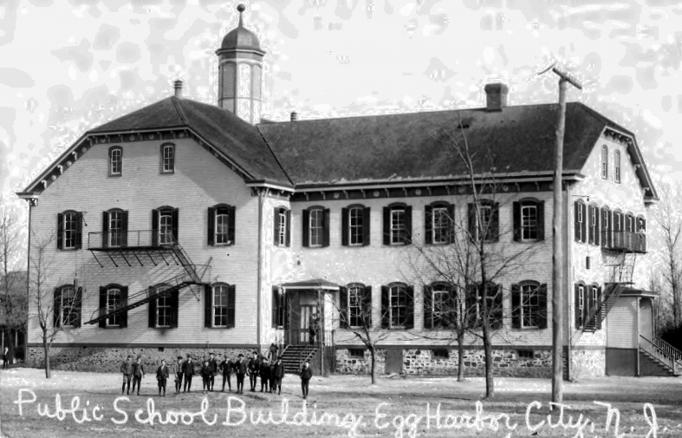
{"type": "Point", "coordinates": [587, 363]}
{"type": "Point", "coordinates": [109, 359]}
{"type": "Point", "coordinates": [439, 362]}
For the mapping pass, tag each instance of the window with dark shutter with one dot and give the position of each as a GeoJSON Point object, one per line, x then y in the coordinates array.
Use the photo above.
{"type": "Point", "coordinates": [529, 220]}
{"type": "Point", "coordinates": [343, 308]}
{"type": "Point", "coordinates": [221, 220]}
{"type": "Point", "coordinates": [385, 316]}
{"type": "Point", "coordinates": [111, 298]}
{"type": "Point", "coordinates": [441, 309]}
{"type": "Point", "coordinates": [439, 221]}
{"type": "Point", "coordinates": [529, 305]}
{"type": "Point", "coordinates": [69, 230]}
{"type": "Point", "coordinates": [399, 305]}
{"type": "Point", "coordinates": [115, 228]}
{"type": "Point", "coordinates": [593, 218]}
{"type": "Point", "coordinates": [605, 226]}
{"type": "Point", "coordinates": [67, 306]}
{"type": "Point", "coordinates": [163, 309]}
{"type": "Point", "coordinates": [398, 224]}
{"type": "Point", "coordinates": [354, 225]}
{"type": "Point", "coordinates": [580, 221]}
{"type": "Point", "coordinates": [316, 227]}
{"type": "Point", "coordinates": [579, 305]}
{"type": "Point", "coordinates": [483, 220]}
{"type": "Point", "coordinates": [219, 306]}
{"type": "Point", "coordinates": [165, 222]}
{"type": "Point", "coordinates": [474, 307]}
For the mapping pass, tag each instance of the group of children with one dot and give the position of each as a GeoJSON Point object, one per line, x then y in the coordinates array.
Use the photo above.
{"type": "Point", "coordinates": [270, 370]}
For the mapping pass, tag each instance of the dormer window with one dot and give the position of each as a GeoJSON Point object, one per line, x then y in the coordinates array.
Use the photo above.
{"type": "Point", "coordinates": [167, 158]}
{"type": "Point", "coordinates": [115, 161]}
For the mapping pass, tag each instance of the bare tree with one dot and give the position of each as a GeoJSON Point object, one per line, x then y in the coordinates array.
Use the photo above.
{"type": "Point", "coordinates": [14, 304]}
{"type": "Point", "coordinates": [53, 310]}
{"type": "Point", "coordinates": [355, 314]}
{"type": "Point", "coordinates": [474, 262]}
{"type": "Point", "coordinates": [669, 220]}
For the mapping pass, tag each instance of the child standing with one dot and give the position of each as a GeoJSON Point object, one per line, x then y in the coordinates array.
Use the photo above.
{"type": "Point", "coordinates": [162, 376]}
{"type": "Point", "coordinates": [206, 375]}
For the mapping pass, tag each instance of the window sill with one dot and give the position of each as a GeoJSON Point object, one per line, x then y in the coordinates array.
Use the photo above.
{"type": "Point", "coordinates": [69, 249]}
{"type": "Point", "coordinates": [171, 172]}
{"type": "Point", "coordinates": [220, 327]}
{"type": "Point", "coordinates": [115, 175]}
{"type": "Point", "coordinates": [218, 245]}
{"type": "Point", "coordinates": [526, 329]}
{"type": "Point", "coordinates": [112, 327]}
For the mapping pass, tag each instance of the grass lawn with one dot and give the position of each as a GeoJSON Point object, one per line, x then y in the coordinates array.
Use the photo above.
{"type": "Point", "coordinates": [337, 406]}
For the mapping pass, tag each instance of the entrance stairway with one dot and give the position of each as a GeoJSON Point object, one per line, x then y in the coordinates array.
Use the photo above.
{"type": "Point", "coordinates": [294, 355]}
{"type": "Point", "coordinates": [659, 358]}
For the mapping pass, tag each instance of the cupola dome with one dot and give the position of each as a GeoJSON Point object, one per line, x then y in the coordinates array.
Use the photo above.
{"type": "Point", "coordinates": [240, 38]}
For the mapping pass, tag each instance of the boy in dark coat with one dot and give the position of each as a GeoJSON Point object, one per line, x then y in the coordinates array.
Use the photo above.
{"type": "Point", "coordinates": [188, 372]}
{"type": "Point", "coordinates": [127, 371]}
{"type": "Point", "coordinates": [162, 376]}
{"type": "Point", "coordinates": [277, 376]}
{"type": "Point", "coordinates": [240, 370]}
{"type": "Point", "coordinates": [226, 368]}
{"type": "Point", "coordinates": [138, 374]}
{"type": "Point", "coordinates": [306, 375]}
{"type": "Point", "coordinates": [254, 367]}
{"type": "Point", "coordinates": [177, 371]}
{"type": "Point", "coordinates": [206, 376]}
{"type": "Point", "coordinates": [264, 373]}
{"type": "Point", "coordinates": [213, 365]}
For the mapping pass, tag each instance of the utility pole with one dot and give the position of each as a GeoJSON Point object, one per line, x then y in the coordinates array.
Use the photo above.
{"type": "Point", "coordinates": [557, 235]}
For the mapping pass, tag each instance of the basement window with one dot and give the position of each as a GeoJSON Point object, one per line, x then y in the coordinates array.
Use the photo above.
{"type": "Point", "coordinates": [357, 353]}
{"type": "Point", "coordinates": [440, 353]}
{"type": "Point", "coordinates": [525, 354]}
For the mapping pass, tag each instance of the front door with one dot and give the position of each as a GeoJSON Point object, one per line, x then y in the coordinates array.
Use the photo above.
{"type": "Point", "coordinates": [307, 324]}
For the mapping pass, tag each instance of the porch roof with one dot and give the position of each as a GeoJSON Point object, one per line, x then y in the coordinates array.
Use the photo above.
{"type": "Point", "coordinates": [635, 292]}
{"type": "Point", "coordinates": [315, 283]}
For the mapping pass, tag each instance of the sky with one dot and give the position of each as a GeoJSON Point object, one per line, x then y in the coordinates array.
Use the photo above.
{"type": "Point", "coordinates": [68, 66]}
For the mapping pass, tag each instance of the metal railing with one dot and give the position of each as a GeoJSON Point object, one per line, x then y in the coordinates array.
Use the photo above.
{"type": "Point", "coordinates": [663, 351]}
{"type": "Point", "coordinates": [129, 239]}
{"type": "Point", "coordinates": [628, 241]}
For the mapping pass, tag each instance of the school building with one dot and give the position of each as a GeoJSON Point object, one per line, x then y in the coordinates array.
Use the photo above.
{"type": "Point", "coordinates": [185, 227]}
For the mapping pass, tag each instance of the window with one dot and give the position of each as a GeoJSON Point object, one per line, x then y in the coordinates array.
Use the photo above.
{"type": "Point", "coordinates": [525, 354]}
{"type": "Point", "coordinates": [593, 233]}
{"type": "Point", "coordinates": [220, 301]}
{"type": "Point", "coordinates": [356, 306]}
{"type": "Point", "coordinates": [616, 166]}
{"type": "Point", "coordinates": [580, 221]}
{"type": "Point", "coordinates": [587, 307]}
{"type": "Point", "coordinates": [529, 305]}
{"type": "Point", "coordinates": [397, 224]}
{"type": "Point", "coordinates": [355, 225]}
{"type": "Point", "coordinates": [167, 158]}
{"type": "Point", "coordinates": [474, 305]}
{"type": "Point", "coordinates": [356, 353]}
{"type": "Point", "coordinates": [282, 234]}
{"type": "Point", "coordinates": [605, 227]}
{"type": "Point", "coordinates": [164, 226]}
{"type": "Point", "coordinates": [441, 306]}
{"type": "Point", "coordinates": [316, 227]}
{"type": "Point", "coordinates": [440, 353]}
{"type": "Point", "coordinates": [221, 220]}
{"type": "Point", "coordinates": [163, 311]}
{"type": "Point", "coordinates": [69, 229]}
{"type": "Point", "coordinates": [163, 308]}
{"type": "Point", "coordinates": [484, 220]}
{"type": "Point", "coordinates": [397, 306]}
{"type": "Point", "coordinates": [439, 223]}
{"type": "Point", "coordinates": [604, 162]}
{"type": "Point", "coordinates": [113, 302]}
{"type": "Point", "coordinates": [279, 308]}
{"type": "Point", "coordinates": [111, 298]}
{"type": "Point", "coordinates": [67, 306]}
{"type": "Point", "coordinates": [115, 161]}
{"type": "Point", "coordinates": [529, 220]}
{"type": "Point", "coordinates": [115, 228]}
{"type": "Point", "coordinates": [629, 223]}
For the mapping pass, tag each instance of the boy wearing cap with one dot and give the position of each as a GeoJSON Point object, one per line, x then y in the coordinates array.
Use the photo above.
{"type": "Point", "coordinates": [213, 367]}
{"type": "Point", "coordinates": [138, 374]}
{"type": "Point", "coordinates": [162, 376]}
{"type": "Point", "coordinates": [127, 371]}
{"type": "Point", "coordinates": [240, 370]}
{"type": "Point", "coordinates": [254, 367]}
{"type": "Point", "coordinates": [226, 368]}
{"type": "Point", "coordinates": [177, 372]}
{"type": "Point", "coordinates": [277, 376]}
{"type": "Point", "coordinates": [306, 375]}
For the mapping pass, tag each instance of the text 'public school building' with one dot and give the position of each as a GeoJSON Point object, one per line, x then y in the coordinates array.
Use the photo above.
{"type": "Point", "coordinates": [184, 227]}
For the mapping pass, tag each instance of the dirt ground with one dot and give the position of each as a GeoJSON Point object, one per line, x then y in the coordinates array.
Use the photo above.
{"type": "Point", "coordinates": [90, 404]}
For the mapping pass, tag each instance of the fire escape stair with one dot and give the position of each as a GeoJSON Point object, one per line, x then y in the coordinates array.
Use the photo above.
{"type": "Point", "coordinates": [611, 293]}
{"type": "Point", "coordinates": [294, 355]}
{"type": "Point", "coordinates": [188, 277]}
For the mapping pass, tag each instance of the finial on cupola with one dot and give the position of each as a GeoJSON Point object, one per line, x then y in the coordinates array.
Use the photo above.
{"type": "Point", "coordinates": [241, 8]}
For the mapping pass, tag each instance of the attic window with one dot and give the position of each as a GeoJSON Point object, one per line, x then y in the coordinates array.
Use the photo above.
{"type": "Point", "coordinates": [115, 161]}
{"type": "Point", "coordinates": [167, 158]}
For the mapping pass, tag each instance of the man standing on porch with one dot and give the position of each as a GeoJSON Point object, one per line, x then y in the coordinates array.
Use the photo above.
{"type": "Point", "coordinates": [306, 375]}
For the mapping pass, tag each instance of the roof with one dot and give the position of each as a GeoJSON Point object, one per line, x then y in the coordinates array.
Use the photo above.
{"type": "Point", "coordinates": [518, 140]}
{"type": "Point", "coordinates": [420, 145]}
{"type": "Point", "coordinates": [239, 140]}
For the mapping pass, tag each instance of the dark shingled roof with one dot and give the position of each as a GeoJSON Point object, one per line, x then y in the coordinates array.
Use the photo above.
{"type": "Point", "coordinates": [419, 145]}
{"type": "Point", "coordinates": [239, 140]}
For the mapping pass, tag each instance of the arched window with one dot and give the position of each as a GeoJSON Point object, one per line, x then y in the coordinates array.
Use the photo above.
{"type": "Point", "coordinates": [221, 220]}
{"type": "Point", "coordinates": [580, 221]}
{"type": "Point", "coordinates": [115, 161]}
{"type": "Point", "coordinates": [529, 220]}
{"type": "Point", "coordinates": [604, 162]}
{"type": "Point", "coordinates": [69, 229]}
{"type": "Point", "coordinates": [164, 226]}
{"type": "Point", "coordinates": [484, 220]}
{"type": "Point", "coordinates": [356, 306]}
{"type": "Point", "coordinates": [355, 225]}
{"type": "Point", "coordinates": [111, 298]}
{"type": "Point", "coordinates": [441, 306]}
{"type": "Point", "coordinates": [67, 306]}
{"type": "Point", "coordinates": [115, 228]}
{"type": "Point", "coordinates": [316, 227]}
{"type": "Point", "coordinates": [220, 305]}
{"type": "Point", "coordinates": [397, 219]}
{"type": "Point", "coordinates": [616, 166]}
{"type": "Point", "coordinates": [439, 223]}
{"type": "Point", "coordinates": [167, 158]}
{"type": "Point", "coordinates": [163, 307]}
{"type": "Point", "coordinates": [587, 306]}
{"type": "Point", "coordinates": [529, 305]}
{"type": "Point", "coordinates": [397, 306]}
